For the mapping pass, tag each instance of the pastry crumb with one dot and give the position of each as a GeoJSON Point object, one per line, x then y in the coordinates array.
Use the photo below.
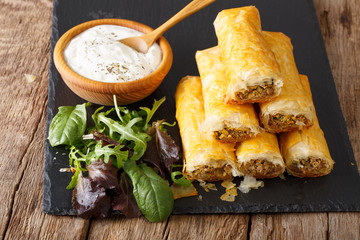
{"type": "Point", "coordinates": [30, 78]}
{"type": "Point", "coordinates": [230, 192]}
{"type": "Point", "coordinates": [282, 177]}
{"type": "Point", "coordinates": [249, 183]}
{"type": "Point", "coordinates": [181, 191]}
{"type": "Point", "coordinates": [207, 186]}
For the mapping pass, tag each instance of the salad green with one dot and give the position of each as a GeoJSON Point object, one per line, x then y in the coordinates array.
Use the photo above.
{"type": "Point", "coordinates": [116, 162]}
{"type": "Point", "coordinates": [68, 125]}
{"type": "Point", "coordinates": [152, 193]}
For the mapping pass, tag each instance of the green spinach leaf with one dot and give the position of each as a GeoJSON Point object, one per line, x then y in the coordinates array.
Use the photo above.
{"type": "Point", "coordinates": [152, 193]}
{"type": "Point", "coordinates": [68, 125]}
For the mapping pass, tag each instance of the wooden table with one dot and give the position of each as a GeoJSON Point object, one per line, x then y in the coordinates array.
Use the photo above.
{"type": "Point", "coordinates": [25, 28]}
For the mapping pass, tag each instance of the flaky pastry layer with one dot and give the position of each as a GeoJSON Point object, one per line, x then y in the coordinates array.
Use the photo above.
{"type": "Point", "coordinates": [305, 151]}
{"type": "Point", "coordinates": [204, 159]}
{"type": "Point", "coordinates": [292, 109]}
{"type": "Point", "coordinates": [252, 71]}
{"type": "Point", "coordinates": [224, 122]}
{"type": "Point", "coordinates": [260, 156]}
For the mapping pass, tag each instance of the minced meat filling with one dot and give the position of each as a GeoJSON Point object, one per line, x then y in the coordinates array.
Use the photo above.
{"type": "Point", "coordinates": [310, 165]}
{"type": "Point", "coordinates": [280, 121]}
{"type": "Point", "coordinates": [208, 173]}
{"type": "Point", "coordinates": [260, 168]}
{"type": "Point", "coordinates": [232, 134]}
{"type": "Point", "coordinates": [254, 92]}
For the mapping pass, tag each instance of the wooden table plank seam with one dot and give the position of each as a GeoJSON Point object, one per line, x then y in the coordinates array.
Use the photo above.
{"type": "Point", "coordinates": [88, 230]}
{"type": "Point", "coordinates": [248, 235]}
{"type": "Point", "coordinates": [165, 234]}
{"type": "Point", "coordinates": [328, 227]}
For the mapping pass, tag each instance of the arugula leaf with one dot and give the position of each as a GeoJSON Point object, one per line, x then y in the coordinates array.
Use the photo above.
{"type": "Point", "coordinates": [123, 132]}
{"type": "Point", "coordinates": [151, 112]}
{"type": "Point", "coordinates": [118, 109]}
{"type": "Point", "coordinates": [152, 193]}
{"type": "Point", "coordinates": [74, 179]}
{"type": "Point", "coordinates": [68, 125]}
{"type": "Point", "coordinates": [76, 156]}
{"type": "Point", "coordinates": [162, 123]}
{"type": "Point", "coordinates": [75, 159]}
{"type": "Point", "coordinates": [110, 150]}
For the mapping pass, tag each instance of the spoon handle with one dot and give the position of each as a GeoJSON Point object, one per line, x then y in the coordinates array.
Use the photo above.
{"type": "Point", "coordinates": [189, 9]}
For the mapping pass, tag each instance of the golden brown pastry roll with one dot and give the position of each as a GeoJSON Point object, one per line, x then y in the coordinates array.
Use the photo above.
{"type": "Point", "coordinates": [204, 159]}
{"type": "Point", "coordinates": [260, 157]}
{"type": "Point", "coordinates": [223, 122]}
{"type": "Point", "coordinates": [292, 109]}
{"type": "Point", "coordinates": [305, 151]}
{"type": "Point", "coordinates": [251, 69]}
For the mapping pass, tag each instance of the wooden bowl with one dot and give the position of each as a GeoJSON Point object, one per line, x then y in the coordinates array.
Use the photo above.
{"type": "Point", "coordinates": [102, 92]}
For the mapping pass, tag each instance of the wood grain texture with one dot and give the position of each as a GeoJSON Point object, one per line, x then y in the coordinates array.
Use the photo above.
{"type": "Point", "coordinates": [289, 226]}
{"type": "Point", "coordinates": [24, 48]}
{"type": "Point", "coordinates": [121, 228]}
{"type": "Point", "coordinates": [344, 226]}
{"type": "Point", "coordinates": [214, 226]}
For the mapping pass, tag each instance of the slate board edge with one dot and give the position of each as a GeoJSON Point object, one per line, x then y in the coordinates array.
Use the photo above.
{"type": "Point", "coordinates": [292, 208]}
{"type": "Point", "coordinates": [46, 203]}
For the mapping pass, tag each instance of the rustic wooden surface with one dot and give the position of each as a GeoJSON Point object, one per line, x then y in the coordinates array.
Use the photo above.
{"type": "Point", "coordinates": [24, 48]}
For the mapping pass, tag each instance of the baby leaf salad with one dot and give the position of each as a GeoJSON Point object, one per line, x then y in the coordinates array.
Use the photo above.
{"type": "Point", "coordinates": [121, 163]}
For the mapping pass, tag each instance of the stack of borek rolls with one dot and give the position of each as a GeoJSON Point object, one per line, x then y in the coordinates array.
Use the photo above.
{"type": "Point", "coordinates": [219, 126]}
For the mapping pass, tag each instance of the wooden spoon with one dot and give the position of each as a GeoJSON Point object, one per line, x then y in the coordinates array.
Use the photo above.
{"type": "Point", "coordinates": [144, 42]}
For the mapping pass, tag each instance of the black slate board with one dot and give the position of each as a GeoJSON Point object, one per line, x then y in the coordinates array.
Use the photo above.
{"type": "Point", "coordinates": [338, 191]}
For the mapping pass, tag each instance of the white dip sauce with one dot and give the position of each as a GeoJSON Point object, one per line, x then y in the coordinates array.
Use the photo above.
{"type": "Point", "coordinates": [97, 54]}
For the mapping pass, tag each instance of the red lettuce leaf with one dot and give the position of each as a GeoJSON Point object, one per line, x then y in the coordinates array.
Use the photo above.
{"type": "Point", "coordinates": [167, 148]}
{"type": "Point", "coordinates": [92, 196]}
{"type": "Point", "coordinates": [162, 150]}
{"type": "Point", "coordinates": [105, 174]}
{"type": "Point", "coordinates": [125, 201]}
{"type": "Point", "coordinates": [101, 192]}
{"type": "Point", "coordinates": [90, 199]}
{"type": "Point", "coordinates": [98, 136]}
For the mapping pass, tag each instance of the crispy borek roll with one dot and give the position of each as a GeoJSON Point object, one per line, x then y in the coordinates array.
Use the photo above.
{"type": "Point", "coordinates": [305, 151]}
{"type": "Point", "coordinates": [260, 157]}
{"type": "Point", "coordinates": [224, 122]}
{"type": "Point", "coordinates": [292, 109]}
{"type": "Point", "coordinates": [251, 69]}
{"type": "Point", "coordinates": [204, 159]}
